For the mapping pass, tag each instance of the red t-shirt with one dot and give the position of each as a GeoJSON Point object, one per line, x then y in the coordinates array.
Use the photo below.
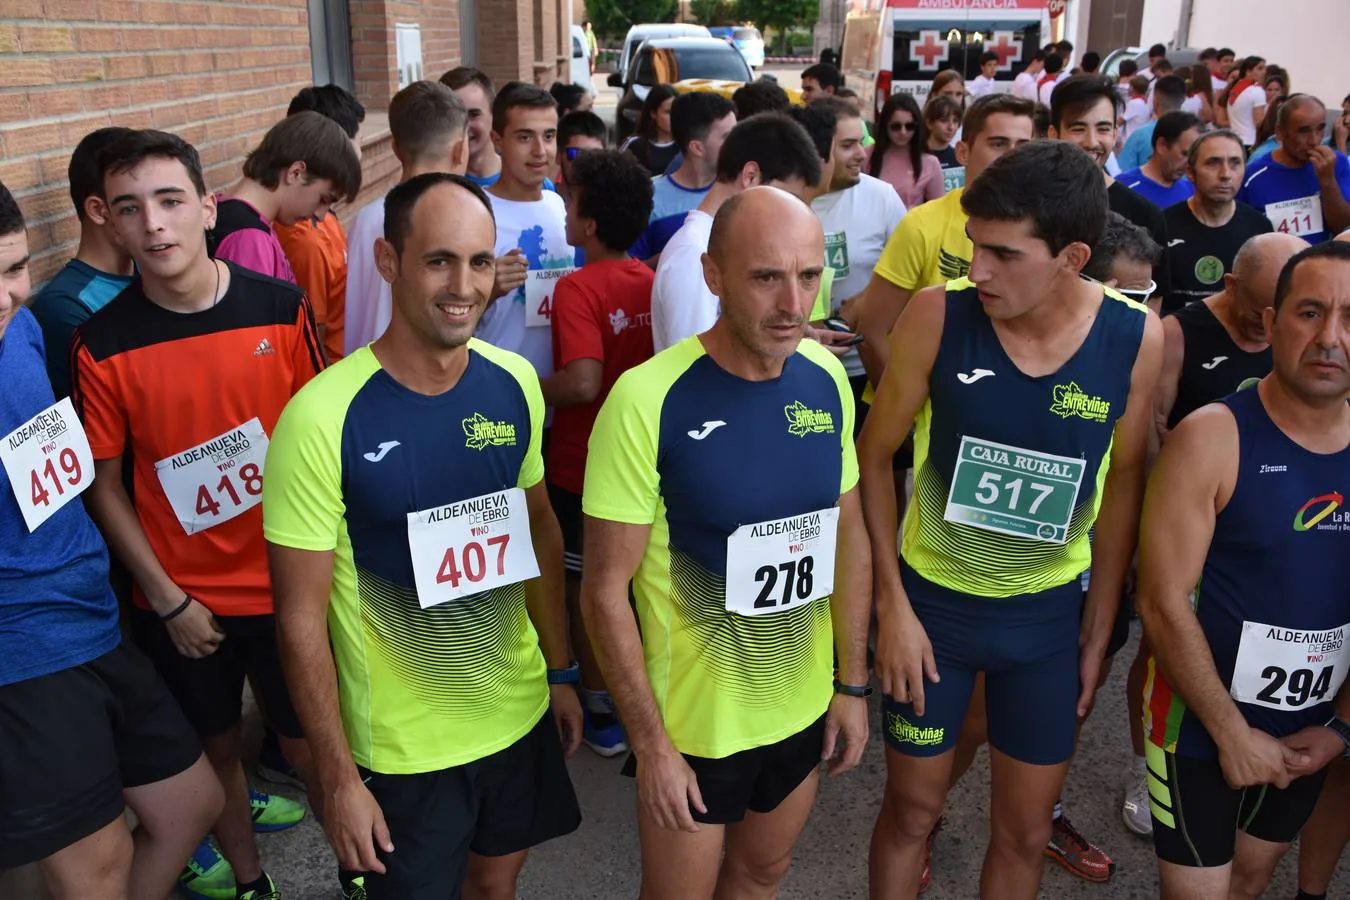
{"type": "Point", "coordinates": [602, 311]}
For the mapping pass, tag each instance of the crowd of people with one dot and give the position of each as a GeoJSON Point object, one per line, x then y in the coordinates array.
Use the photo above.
{"type": "Point", "coordinates": [570, 444]}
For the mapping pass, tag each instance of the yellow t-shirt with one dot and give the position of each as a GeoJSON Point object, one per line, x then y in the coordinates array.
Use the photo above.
{"type": "Point", "coordinates": [929, 246]}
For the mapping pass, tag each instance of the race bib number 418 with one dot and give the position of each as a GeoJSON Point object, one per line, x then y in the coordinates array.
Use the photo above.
{"type": "Point", "coordinates": [781, 564]}
{"type": "Point", "coordinates": [471, 546]}
{"type": "Point", "coordinates": [48, 462]}
{"type": "Point", "coordinates": [216, 480]}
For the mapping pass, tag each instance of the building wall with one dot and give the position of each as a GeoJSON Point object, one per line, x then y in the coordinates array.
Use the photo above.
{"type": "Point", "coordinates": [1307, 37]}
{"type": "Point", "coordinates": [219, 73]}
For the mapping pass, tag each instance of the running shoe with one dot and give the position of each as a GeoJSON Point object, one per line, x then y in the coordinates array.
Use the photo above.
{"type": "Point", "coordinates": [273, 813]}
{"type": "Point", "coordinates": [354, 889]}
{"type": "Point", "coordinates": [207, 876]}
{"type": "Point", "coordinates": [1135, 809]}
{"type": "Point", "coordinates": [1073, 851]}
{"type": "Point", "coordinates": [603, 734]}
{"type": "Point", "coordinates": [272, 764]}
{"type": "Point", "coordinates": [268, 893]}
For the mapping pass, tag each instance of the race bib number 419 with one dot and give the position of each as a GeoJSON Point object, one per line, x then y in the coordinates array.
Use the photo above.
{"type": "Point", "coordinates": [216, 480]}
{"type": "Point", "coordinates": [471, 546]}
{"type": "Point", "coordinates": [48, 462]}
{"type": "Point", "coordinates": [1009, 490]}
{"type": "Point", "coordinates": [1288, 669]}
{"type": "Point", "coordinates": [781, 564]}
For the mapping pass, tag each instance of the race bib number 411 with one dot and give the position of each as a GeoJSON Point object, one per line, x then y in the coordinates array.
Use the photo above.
{"type": "Point", "coordinates": [216, 480]}
{"type": "Point", "coordinates": [1288, 669]}
{"type": "Point", "coordinates": [781, 564]}
{"type": "Point", "coordinates": [1301, 216]}
{"type": "Point", "coordinates": [48, 462]}
{"type": "Point", "coordinates": [1009, 490]}
{"type": "Point", "coordinates": [471, 546]}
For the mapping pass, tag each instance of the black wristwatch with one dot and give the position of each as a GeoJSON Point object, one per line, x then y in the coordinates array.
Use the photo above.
{"type": "Point", "coordinates": [852, 690]}
{"type": "Point", "coordinates": [1342, 729]}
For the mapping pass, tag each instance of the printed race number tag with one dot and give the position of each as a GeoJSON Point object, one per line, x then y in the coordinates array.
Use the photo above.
{"type": "Point", "coordinates": [836, 253]}
{"type": "Point", "coordinates": [216, 480]}
{"type": "Point", "coordinates": [539, 285]}
{"type": "Point", "coordinates": [781, 564]}
{"type": "Point", "coordinates": [1300, 217]}
{"type": "Point", "coordinates": [48, 461]}
{"type": "Point", "coordinates": [953, 178]}
{"type": "Point", "coordinates": [471, 546]}
{"type": "Point", "coordinates": [1288, 669]}
{"type": "Point", "coordinates": [1009, 490]}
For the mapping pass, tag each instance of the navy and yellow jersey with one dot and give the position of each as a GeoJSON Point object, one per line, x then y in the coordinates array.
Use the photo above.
{"type": "Point", "coordinates": [1009, 469]}
{"type": "Point", "coordinates": [700, 454]}
{"type": "Point", "coordinates": [1271, 599]}
{"type": "Point", "coordinates": [354, 454]}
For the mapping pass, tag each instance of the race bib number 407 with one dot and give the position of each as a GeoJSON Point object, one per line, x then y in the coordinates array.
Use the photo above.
{"type": "Point", "coordinates": [216, 480]}
{"type": "Point", "coordinates": [1009, 490]}
{"type": "Point", "coordinates": [1289, 669]}
{"type": "Point", "coordinates": [48, 462]}
{"type": "Point", "coordinates": [781, 564]}
{"type": "Point", "coordinates": [471, 546]}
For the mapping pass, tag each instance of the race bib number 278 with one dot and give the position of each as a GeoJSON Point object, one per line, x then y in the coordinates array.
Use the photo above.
{"type": "Point", "coordinates": [48, 462]}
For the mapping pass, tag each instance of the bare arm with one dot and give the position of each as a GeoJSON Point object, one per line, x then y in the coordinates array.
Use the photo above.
{"type": "Point", "coordinates": [851, 602]}
{"type": "Point", "coordinates": [878, 309]}
{"type": "Point", "coordinates": [112, 511]}
{"type": "Point", "coordinates": [1335, 205]}
{"type": "Point", "coordinates": [1191, 481]}
{"type": "Point", "coordinates": [1117, 525]}
{"type": "Point", "coordinates": [577, 383]}
{"type": "Point", "coordinates": [544, 595]}
{"type": "Point", "coordinates": [1174, 355]}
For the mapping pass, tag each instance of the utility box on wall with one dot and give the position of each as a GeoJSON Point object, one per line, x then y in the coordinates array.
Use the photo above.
{"type": "Point", "coordinates": [408, 48]}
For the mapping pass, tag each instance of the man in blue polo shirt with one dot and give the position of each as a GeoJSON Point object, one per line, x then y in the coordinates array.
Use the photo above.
{"type": "Point", "coordinates": [1163, 178]}
{"type": "Point", "coordinates": [1302, 187]}
{"type": "Point", "coordinates": [700, 122]}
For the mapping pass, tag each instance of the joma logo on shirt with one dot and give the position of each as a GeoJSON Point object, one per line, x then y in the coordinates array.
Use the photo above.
{"type": "Point", "coordinates": [1071, 400]}
{"type": "Point", "coordinates": [803, 421]}
{"type": "Point", "coordinates": [481, 432]}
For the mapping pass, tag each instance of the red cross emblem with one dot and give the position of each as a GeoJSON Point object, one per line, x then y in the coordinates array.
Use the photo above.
{"type": "Point", "coordinates": [1008, 49]}
{"type": "Point", "coordinates": [930, 49]}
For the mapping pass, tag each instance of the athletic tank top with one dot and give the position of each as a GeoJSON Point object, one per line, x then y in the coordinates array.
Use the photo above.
{"type": "Point", "coordinates": [1008, 469]}
{"type": "Point", "coordinates": [1271, 599]}
{"type": "Point", "coordinates": [1213, 365]}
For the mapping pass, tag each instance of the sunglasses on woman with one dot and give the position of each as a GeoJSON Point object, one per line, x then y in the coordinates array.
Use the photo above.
{"type": "Point", "coordinates": [901, 126]}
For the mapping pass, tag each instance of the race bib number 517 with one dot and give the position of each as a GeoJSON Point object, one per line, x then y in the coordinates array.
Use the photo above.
{"type": "Point", "coordinates": [48, 462]}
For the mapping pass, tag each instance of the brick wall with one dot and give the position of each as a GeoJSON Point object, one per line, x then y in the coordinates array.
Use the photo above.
{"type": "Point", "coordinates": [374, 60]}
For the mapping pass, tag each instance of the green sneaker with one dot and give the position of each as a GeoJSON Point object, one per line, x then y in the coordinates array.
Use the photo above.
{"type": "Point", "coordinates": [268, 893]}
{"type": "Point", "coordinates": [207, 876]}
{"type": "Point", "coordinates": [273, 813]}
{"type": "Point", "coordinates": [354, 889]}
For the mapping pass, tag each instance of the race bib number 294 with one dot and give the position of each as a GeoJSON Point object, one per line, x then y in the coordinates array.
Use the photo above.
{"type": "Point", "coordinates": [48, 462]}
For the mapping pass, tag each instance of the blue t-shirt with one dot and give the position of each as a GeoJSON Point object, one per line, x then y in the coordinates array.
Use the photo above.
{"type": "Point", "coordinates": [76, 293]}
{"type": "Point", "coordinates": [56, 607]}
{"type": "Point", "coordinates": [1138, 147]}
{"type": "Point", "coordinates": [1292, 198]}
{"type": "Point", "coordinates": [1160, 195]}
{"type": "Point", "coordinates": [671, 202]}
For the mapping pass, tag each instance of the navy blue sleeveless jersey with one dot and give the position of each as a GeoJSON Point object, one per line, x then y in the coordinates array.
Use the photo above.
{"type": "Point", "coordinates": [1009, 469]}
{"type": "Point", "coordinates": [1272, 594]}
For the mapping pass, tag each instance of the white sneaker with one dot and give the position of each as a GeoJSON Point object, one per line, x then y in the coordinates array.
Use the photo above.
{"type": "Point", "coordinates": [1134, 811]}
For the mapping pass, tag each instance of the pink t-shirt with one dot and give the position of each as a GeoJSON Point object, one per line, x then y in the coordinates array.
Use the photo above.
{"type": "Point", "coordinates": [255, 248]}
{"type": "Point", "coordinates": [898, 171]}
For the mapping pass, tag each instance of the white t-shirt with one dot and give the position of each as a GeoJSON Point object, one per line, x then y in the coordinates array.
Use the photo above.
{"type": "Point", "coordinates": [1024, 85]}
{"type": "Point", "coordinates": [1193, 105]}
{"type": "Point", "coordinates": [1045, 90]}
{"type": "Point", "coordinates": [857, 222]}
{"type": "Point", "coordinates": [1241, 111]}
{"type": "Point", "coordinates": [1218, 83]}
{"type": "Point", "coordinates": [1137, 112]}
{"type": "Point", "coordinates": [369, 302]}
{"type": "Point", "coordinates": [539, 228]}
{"type": "Point", "coordinates": [979, 86]}
{"type": "Point", "coordinates": [682, 305]}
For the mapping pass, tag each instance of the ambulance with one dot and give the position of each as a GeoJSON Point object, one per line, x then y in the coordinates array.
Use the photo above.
{"type": "Point", "coordinates": [900, 45]}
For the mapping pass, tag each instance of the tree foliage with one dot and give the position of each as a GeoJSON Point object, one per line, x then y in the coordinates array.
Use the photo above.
{"type": "Point", "coordinates": [780, 15]}
{"type": "Point", "coordinates": [613, 18]}
{"type": "Point", "coordinates": [715, 12]}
